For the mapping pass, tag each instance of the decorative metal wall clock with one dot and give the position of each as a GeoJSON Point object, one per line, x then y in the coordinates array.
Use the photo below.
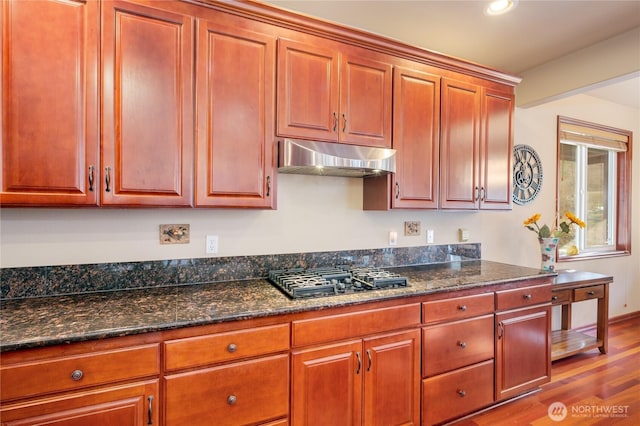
{"type": "Point", "coordinates": [527, 174]}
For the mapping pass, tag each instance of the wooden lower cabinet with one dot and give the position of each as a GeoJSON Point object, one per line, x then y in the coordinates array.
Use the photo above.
{"type": "Point", "coordinates": [242, 393]}
{"type": "Point", "coordinates": [523, 350]}
{"type": "Point", "coordinates": [371, 381]}
{"type": "Point", "coordinates": [133, 404]}
{"type": "Point", "coordinates": [456, 393]}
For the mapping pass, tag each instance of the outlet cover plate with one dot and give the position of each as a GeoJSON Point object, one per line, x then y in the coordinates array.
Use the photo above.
{"type": "Point", "coordinates": [174, 234]}
{"type": "Point", "coordinates": [411, 228]}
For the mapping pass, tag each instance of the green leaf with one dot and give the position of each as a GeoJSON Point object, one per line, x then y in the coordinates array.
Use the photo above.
{"type": "Point", "coordinates": [565, 227]}
{"type": "Point", "coordinates": [545, 232]}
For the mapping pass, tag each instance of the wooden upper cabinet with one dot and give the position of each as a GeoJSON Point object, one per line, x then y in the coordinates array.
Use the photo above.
{"type": "Point", "coordinates": [50, 136]}
{"type": "Point", "coordinates": [416, 139]}
{"type": "Point", "coordinates": [476, 146]}
{"type": "Point", "coordinates": [235, 155]}
{"type": "Point", "coordinates": [147, 146]}
{"type": "Point", "coordinates": [460, 145]}
{"type": "Point", "coordinates": [496, 150]}
{"type": "Point", "coordinates": [332, 95]}
{"type": "Point", "coordinates": [365, 101]}
{"type": "Point", "coordinates": [307, 91]}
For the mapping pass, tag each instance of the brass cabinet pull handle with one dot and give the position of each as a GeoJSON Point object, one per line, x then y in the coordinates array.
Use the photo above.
{"type": "Point", "coordinates": [335, 121]}
{"type": "Point", "coordinates": [231, 399]}
{"type": "Point", "coordinates": [359, 362]}
{"type": "Point", "coordinates": [232, 347]}
{"type": "Point", "coordinates": [591, 293]}
{"type": "Point", "coordinates": [397, 190]}
{"type": "Point", "coordinates": [107, 179]}
{"type": "Point", "coordinates": [462, 393]}
{"type": "Point", "coordinates": [462, 345]}
{"type": "Point", "coordinates": [77, 375]}
{"type": "Point", "coordinates": [268, 185]}
{"type": "Point", "coordinates": [370, 360]}
{"type": "Point", "coordinates": [150, 410]}
{"type": "Point", "coordinates": [500, 330]}
{"type": "Point", "coordinates": [91, 178]}
{"type": "Point", "coordinates": [344, 123]}
{"type": "Point", "coordinates": [527, 296]}
{"type": "Point", "coordinates": [462, 308]}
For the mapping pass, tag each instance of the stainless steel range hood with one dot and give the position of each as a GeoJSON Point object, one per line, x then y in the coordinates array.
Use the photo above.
{"type": "Point", "coordinates": [334, 159]}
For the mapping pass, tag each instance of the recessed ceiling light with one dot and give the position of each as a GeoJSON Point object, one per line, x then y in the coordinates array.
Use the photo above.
{"type": "Point", "coordinates": [498, 7]}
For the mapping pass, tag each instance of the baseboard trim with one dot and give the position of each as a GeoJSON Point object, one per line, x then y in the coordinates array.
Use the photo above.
{"type": "Point", "coordinates": [613, 320]}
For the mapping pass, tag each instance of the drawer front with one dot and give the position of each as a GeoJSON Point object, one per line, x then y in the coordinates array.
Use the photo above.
{"type": "Point", "coordinates": [357, 324]}
{"type": "Point", "coordinates": [587, 293]}
{"type": "Point", "coordinates": [523, 297]}
{"type": "Point", "coordinates": [449, 346]}
{"type": "Point", "coordinates": [234, 345]}
{"type": "Point", "coordinates": [457, 308]}
{"type": "Point", "coordinates": [246, 392]}
{"type": "Point", "coordinates": [78, 371]}
{"type": "Point", "coordinates": [459, 392]}
{"type": "Point", "coordinates": [561, 296]}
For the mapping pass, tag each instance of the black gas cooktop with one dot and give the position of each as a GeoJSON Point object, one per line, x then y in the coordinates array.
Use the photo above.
{"type": "Point", "coordinates": [331, 281]}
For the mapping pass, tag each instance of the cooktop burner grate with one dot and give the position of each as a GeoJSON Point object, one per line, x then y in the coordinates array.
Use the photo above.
{"type": "Point", "coordinates": [330, 281]}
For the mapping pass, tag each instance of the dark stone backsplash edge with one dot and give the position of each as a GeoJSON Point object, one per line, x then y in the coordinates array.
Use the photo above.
{"type": "Point", "coordinates": [46, 281]}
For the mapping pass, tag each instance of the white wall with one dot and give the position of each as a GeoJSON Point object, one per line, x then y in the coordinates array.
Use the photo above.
{"type": "Point", "coordinates": [324, 214]}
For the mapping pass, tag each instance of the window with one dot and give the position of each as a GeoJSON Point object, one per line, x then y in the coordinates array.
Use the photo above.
{"type": "Point", "coordinates": [594, 183]}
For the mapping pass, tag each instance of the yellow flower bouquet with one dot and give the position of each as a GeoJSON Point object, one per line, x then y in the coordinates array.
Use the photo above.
{"type": "Point", "coordinates": [563, 228]}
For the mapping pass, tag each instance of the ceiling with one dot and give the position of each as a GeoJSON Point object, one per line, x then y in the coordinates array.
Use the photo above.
{"type": "Point", "coordinates": [535, 32]}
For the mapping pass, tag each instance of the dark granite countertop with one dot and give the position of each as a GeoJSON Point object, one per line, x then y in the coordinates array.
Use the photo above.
{"type": "Point", "coordinates": [35, 322]}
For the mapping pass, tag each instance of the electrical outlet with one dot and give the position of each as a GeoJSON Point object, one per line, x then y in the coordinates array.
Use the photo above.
{"type": "Point", "coordinates": [464, 234]}
{"type": "Point", "coordinates": [212, 244]}
{"type": "Point", "coordinates": [393, 238]}
{"type": "Point", "coordinates": [430, 236]}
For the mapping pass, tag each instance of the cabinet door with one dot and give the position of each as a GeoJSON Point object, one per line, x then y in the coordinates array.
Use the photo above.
{"type": "Point", "coordinates": [416, 137]}
{"type": "Point", "coordinates": [365, 101]}
{"type": "Point", "coordinates": [496, 150]}
{"type": "Point", "coordinates": [128, 405]}
{"type": "Point", "coordinates": [460, 188]}
{"type": "Point", "coordinates": [392, 379]}
{"type": "Point", "coordinates": [327, 385]}
{"type": "Point", "coordinates": [523, 350]}
{"type": "Point", "coordinates": [49, 89]}
{"type": "Point", "coordinates": [242, 393]}
{"type": "Point", "coordinates": [307, 90]}
{"type": "Point", "coordinates": [235, 146]}
{"type": "Point", "coordinates": [147, 146]}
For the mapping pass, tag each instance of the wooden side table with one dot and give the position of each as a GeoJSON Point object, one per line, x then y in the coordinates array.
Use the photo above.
{"type": "Point", "coordinates": [571, 286]}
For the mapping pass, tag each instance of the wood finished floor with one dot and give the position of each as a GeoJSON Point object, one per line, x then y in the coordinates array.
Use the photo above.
{"type": "Point", "coordinates": [587, 381]}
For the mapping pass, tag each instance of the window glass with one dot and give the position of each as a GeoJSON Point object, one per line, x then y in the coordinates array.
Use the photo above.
{"type": "Point", "coordinates": [594, 170]}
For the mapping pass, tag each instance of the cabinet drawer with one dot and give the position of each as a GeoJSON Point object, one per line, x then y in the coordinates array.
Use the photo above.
{"type": "Point", "coordinates": [523, 297]}
{"type": "Point", "coordinates": [78, 371]}
{"type": "Point", "coordinates": [449, 346]}
{"type": "Point", "coordinates": [457, 308]}
{"type": "Point", "coordinates": [586, 293]}
{"type": "Point", "coordinates": [241, 393]}
{"type": "Point", "coordinates": [561, 296]}
{"type": "Point", "coordinates": [357, 324]}
{"type": "Point", "coordinates": [456, 393]}
{"type": "Point", "coordinates": [234, 345]}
